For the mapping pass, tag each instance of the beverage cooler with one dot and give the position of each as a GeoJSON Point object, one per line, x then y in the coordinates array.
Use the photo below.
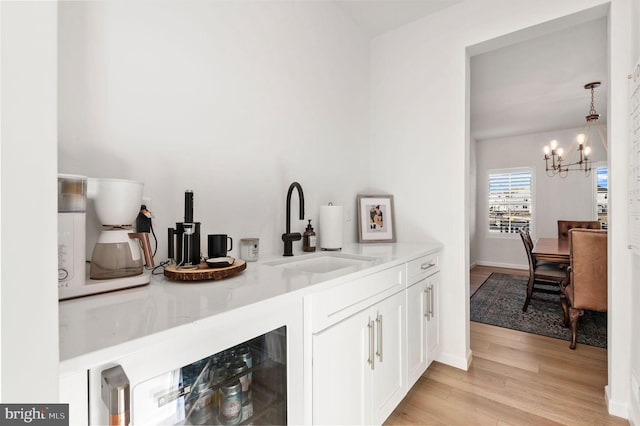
{"type": "Point", "coordinates": [244, 384]}
{"type": "Point", "coordinates": [192, 378]}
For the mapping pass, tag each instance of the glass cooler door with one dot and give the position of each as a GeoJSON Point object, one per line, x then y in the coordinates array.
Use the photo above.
{"type": "Point", "coordinates": [242, 385]}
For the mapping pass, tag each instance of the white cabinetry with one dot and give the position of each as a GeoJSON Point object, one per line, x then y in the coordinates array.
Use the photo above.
{"type": "Point", "coordinates": [359, 360]}
{"type": "Point", "coordinates": [355, 343]}
{"type": "Point", "coordinates": [433, 317]}
{"type": "Point", "coordinates": [388, 361]}
{"type": "Point", "coordinates": [423, 331]}
{"type": "Point", "coordinates": [74, 391]}
{"type": "Point", "coordinates": [341, 374]}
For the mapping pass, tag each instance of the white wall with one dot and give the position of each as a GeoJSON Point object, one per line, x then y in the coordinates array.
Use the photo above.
{"type": "Point", "coordinates": [29, 304]}
{"type": "Point", "coordinates": [234, 100]}
{"type": "Point", "coordinates": [571, 198]}
{"type": "Point", "coordinates": [420, 136]}
{"type": "Point", "coordinates": [620, 337]}
{"type": "Point", "coordinates": [634, 385]}
{"type": "Point", "coordinates": [473, 201]}
{"type": "Point", "coordinates": [293, 108]}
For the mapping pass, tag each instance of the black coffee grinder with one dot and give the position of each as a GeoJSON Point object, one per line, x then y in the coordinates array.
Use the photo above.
{"type": "Point", "coordinates": [184, 239]}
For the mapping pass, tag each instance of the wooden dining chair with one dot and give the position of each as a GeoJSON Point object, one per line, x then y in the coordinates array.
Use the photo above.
{"type": "Point", "coordinates": [586, 284]}
{"type": "Point", "coordinates": [544, 277]}
{"type": "Point", "coordinates": [565, 225]}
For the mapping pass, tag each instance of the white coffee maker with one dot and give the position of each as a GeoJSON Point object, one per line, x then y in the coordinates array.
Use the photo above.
{"type": "Point", "coordinates": [117, 259]}
{"type": "Point", "coordinates": [72, 219]}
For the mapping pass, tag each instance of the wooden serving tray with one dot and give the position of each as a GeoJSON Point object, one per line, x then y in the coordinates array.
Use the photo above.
{"type": "Point", "coordinates": [204, 272]}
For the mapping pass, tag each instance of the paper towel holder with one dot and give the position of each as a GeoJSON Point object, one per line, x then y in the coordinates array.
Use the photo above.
{"type": "Point", "coordinates": [334, 242]}
{"type": "Point", "coordinates": [376, 217]}
{"type": "Point", "coordinates": [331, 249]}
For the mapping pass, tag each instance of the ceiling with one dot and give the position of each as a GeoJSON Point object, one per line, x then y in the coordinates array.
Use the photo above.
{"type": "Point", "coordinates": [533, 85]}
{"type": "Point", "coordinates": [538, 85]}
{"type": "Point", "coordinates": [375, 17]}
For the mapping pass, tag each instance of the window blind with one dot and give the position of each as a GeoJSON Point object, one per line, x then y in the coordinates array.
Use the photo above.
{"type": "Point", "coordinates": [602, 195]}
{"type": "Point", "coordinates": [510, 195]}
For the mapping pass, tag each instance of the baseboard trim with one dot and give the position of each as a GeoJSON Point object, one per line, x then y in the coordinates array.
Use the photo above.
{"type": "Point", "coordinates": [617, 408]}
{"type": "Point", "coordinates": [501, 265]}
{"type": "Point", "coordinates": [634, 400]}
{"type": "Point", "coordinates": [634, 415]}
{"type": "Point", "coordinates": [459, 362]}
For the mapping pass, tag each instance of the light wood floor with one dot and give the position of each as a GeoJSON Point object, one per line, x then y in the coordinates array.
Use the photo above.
{"type": "Point", "coordinates": [515, 378]}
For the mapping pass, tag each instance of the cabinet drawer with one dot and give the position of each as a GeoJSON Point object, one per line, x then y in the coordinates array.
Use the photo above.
{"type": "Point", "coordinates": [422, 267]}
{"type": "Point", "coordinates": [343, 300]}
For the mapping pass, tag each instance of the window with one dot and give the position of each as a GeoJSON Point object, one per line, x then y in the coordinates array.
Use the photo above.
{"type": "Point", "coordinates": [602, 195]}
{"type": "Point", "coordinates": [510, 196]}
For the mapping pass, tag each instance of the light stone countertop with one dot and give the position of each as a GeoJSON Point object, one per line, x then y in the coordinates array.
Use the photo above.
{"type": "Point", "coordinates": [95, 328]}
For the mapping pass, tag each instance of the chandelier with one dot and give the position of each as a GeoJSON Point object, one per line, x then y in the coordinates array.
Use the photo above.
{"type": "Point", "coordinates": [554, 156]}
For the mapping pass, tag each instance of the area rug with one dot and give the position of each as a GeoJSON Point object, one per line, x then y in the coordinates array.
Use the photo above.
{"type": "Point", "coordinates": [499, 302]}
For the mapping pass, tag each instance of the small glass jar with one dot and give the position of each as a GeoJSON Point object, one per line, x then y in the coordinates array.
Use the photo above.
{"type": "Point", "coordinates": [249, 249]}
{"type": "Point", "coordinates": [201, 412]}
{"type": "Point", "coordinates": [230, 405]}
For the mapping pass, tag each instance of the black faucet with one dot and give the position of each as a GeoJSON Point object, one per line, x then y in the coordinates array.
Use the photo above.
{"type": "Point", "coordinates": [289, 237]}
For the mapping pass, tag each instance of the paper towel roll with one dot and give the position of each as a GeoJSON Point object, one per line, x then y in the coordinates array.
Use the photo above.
{"type": "Point", "coordinates": [330, 227]}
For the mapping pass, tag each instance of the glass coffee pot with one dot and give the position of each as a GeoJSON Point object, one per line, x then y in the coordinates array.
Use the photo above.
{"type": "Point", "coordinates": [117, 254]}
{"type": "Point", "coordinates": [119, 251]}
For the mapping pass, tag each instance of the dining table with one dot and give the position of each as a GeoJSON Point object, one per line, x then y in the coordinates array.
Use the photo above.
{"type": "Point", "coordinates": [551, 250]}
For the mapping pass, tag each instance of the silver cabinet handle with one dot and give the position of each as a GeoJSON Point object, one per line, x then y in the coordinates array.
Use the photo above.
{"type": "Point", "coordinates": [425, 303]}
{"type": "Point", "coordinates": [431, 301]}
{"type": "Point", "coordinates": [379, 351]}
{"type": "Point", "coordinates": [371, 359]}
{"type": "Point", "coordinates": [426, 266]}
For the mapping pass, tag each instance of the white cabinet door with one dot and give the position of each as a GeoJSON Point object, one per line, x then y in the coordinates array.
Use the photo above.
{"type": "Point", "coordinates": [342, 373]}
{"type": "Point", "coordinates": [416, 331]}
{"type": "Point", "coordinates": [74, 391]}
{"type": "Point", "coordinates": [388, 374]}
{"type": "Point", "coordinates": [358, 366]}
{"type": "Point", "coordinates": [423, 329]}
{"type": "Point", "coordinates": [433, 317]}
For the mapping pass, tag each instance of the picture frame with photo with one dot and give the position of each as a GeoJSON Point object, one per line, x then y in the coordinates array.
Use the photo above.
{"type": "Point", "coordinates": [376, 219]}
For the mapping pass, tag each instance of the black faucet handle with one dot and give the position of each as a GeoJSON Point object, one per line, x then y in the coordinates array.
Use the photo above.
{"type": "Point", "coordinates": [291, 236]}
{"type": "Point", "coordinates": [288, 239]}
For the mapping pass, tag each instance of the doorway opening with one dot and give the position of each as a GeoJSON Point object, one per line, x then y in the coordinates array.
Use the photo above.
{"type": "Point", "coordinates": [525, 89]}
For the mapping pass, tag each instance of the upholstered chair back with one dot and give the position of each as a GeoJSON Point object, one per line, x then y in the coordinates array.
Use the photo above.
{"type": "Point", "coordinates": [588, 282]}
{"type": "Point", "coordinates": [565, 225]}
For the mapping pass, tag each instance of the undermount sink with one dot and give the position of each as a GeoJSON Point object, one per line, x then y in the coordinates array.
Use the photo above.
{"type": "Point", "coordinates": [323, 262]}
